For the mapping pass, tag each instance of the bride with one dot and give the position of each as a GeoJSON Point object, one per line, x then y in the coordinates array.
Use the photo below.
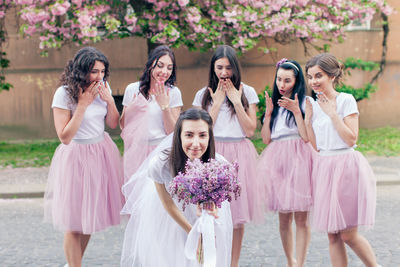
{"type": "Point", "coordinates": [157, 230]}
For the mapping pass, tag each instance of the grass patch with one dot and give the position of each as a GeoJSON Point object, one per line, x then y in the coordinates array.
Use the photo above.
{"type": "Point", "coordinates": [381, 142]}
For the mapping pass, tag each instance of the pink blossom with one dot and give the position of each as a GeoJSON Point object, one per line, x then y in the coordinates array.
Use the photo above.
{"type": "Point", "coordinates": [77, 2]}
{"type": "Point", "coordinates": [24, 2]}
{"type": "Point", "coordinates": [130, 19]}
{"type": "Point", "coordinates": [34, 18]}
{"type": "Point", "coordinates": [60, 9]}
{"type": "Point", "coordinates": [30, 30]}
{"type": "Point", "coordinates": [183, 3]}
{"type": "Point", "coordinates": [84, 20]}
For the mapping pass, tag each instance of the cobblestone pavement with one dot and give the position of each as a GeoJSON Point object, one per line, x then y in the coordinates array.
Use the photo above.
{"type": "Point", "coordinates": [27, 241]}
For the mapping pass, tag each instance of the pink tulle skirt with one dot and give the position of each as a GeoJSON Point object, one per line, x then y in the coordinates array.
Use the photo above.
{"type": "Point", "coordinates": [248, 207]}
{"type": "Point", "coordinates": [83, 191]}
{"type": "Point", "coordinates": [285, 167]}
{"type": "Point", "coordinates": [344, 188]}
{"type": "Point", "coordinates": [135, 135]}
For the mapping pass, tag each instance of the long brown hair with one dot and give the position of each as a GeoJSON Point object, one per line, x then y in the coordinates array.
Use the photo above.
{"type": "Point", "coordinates": [177, 157]}
{"type": "Point", "coordinates": [222, 52]}
{"type": "Point", "coordinates": [151, 63]}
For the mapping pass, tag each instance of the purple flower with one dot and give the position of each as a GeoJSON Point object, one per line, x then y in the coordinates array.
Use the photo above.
{"type": "Point", "coordinates": [280, 62]}
{"type": "Point", "coordinates": [206, 181]}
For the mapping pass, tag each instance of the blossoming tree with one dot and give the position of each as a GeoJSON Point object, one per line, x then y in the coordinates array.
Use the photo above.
{"type": "Point", "coordinates": [196, 24]}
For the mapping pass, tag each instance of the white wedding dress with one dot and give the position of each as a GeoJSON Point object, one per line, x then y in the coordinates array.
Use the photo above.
{"type": "Point", "coordinates": [152, 237]}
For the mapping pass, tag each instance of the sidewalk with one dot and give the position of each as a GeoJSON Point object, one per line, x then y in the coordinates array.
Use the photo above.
{"type": "Point", "coordinates": [31, 182]}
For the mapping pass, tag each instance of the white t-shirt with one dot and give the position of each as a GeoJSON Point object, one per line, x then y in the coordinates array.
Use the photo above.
{"type": "Point", "coordinates": [93, 120]}
{"type": "Point", "coordinates": [281, 128]}
{"type": "Point", "coordinates": [326, 135]}
{"type": "Point", "coordinates": [156, 125]}
{"type": "Point", "coordinates": [226, 124]}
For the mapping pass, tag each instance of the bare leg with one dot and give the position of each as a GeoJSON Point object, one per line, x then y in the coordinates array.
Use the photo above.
{"type": "Point", "coordinates": [286, 232]}
{"type": "Point", "coordinates": [84, 240]}
{"type": "Point", "coordinates": [303, 235]}
{"type": "Point", "coordinates": [360, 246]}
{"type": "Point", "coordinates": [72, 249]}
{"type": "Point", "coordinates": [337, 251]}
{"type": "Point", "coordinates": [238, 234]}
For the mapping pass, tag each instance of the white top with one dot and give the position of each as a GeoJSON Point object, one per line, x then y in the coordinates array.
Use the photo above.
{"type": "Point", "coordinates": [93, 120]}
{"type": "Point", "coordinates": [156, 125]}
{"type": "Point", "coordinates": [326, 135]}
{"type": "Point", "coordinates": [159, 169]}
{"type": "Point", "coordinates": [281, 128]}
{"type": "Point", "coordinates": [226, 124]}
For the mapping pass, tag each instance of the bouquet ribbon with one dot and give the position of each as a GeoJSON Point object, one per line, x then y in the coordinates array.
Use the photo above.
{"type": "Point", "coordinates": [204, 225]}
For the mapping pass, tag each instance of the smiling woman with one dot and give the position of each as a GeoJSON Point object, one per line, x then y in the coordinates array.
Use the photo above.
{"type": "Point", "coordinates": [194, 138]}
{"type": "Point", "coordinates": [151, 108]}
{"type": "Point", "coordinates": [158, 226]}
{"type": "Point", "coordinates": [344, 186]}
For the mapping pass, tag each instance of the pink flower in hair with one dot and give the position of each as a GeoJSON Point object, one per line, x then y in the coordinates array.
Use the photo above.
{"type": "Point", "coordinates": [280, 62]}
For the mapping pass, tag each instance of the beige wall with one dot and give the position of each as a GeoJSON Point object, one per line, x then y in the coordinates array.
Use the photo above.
{"type": "Point", "coordinates": [25, 110]}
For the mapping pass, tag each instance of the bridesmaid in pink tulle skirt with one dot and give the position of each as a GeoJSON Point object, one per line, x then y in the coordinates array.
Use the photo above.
{"type": "Point", "coordinates": [151, 108]}
{"type": "Point", "coordinates": [232, 105]}
{"type": "Point", "coordinates": [285, 165]}
{"type": "Point", "coordinates": [344, 186]}
{"type": "Point", "coordinates": [83, 193]}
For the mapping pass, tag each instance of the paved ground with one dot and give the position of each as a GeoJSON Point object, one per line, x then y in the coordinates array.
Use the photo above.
{"type": "Point", "coordinates": [27, 241]}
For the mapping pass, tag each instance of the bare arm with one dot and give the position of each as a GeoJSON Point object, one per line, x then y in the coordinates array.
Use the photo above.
{"type": "Point", "coordinates": [171, 208]}
{"type": "Point", "coordinates": [347, 127]}
{"type": "Point", "coordinates": [265, 130]}
{"type": "Point", "coordinates": [122, 118]}
{"type": "Point", "coordinates": [308, 124]}
{"type": "Point", "coordinates": [247, 120]}
{"type": "Point", "coordinates": [170, 116]}
{"type": "Point", "coordinates": [112, 116]}
{"type": "Point", "coordinates": [218, 99]}
{"type": "Point", "coordinates": [67, 125]}
{"type": "Point", "coordinates": [293, 106]}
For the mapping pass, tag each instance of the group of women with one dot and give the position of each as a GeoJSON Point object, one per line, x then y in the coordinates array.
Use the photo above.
{"type": "Point", "coordinates": [89, 185]}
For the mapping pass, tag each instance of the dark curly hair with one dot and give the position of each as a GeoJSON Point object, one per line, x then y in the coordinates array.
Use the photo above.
{"type": "Point", "coordinates": [76, 72]}
{"type": "Point", "coordinates": [152, 61]}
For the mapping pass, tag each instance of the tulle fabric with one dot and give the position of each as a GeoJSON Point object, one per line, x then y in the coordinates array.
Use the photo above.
{"type": "Point", "coordinates": [152, 237]}
{"type": "Point", "coordinates": [83, 191]}
{"type": "Point", "coordinates": [344, 189]}
{"type": "Point", "coordinates": [285, 167]}
{"type": "Point", "coordinates": [249, 206]}
{"type": "Point", "coordinates": [135, 135]}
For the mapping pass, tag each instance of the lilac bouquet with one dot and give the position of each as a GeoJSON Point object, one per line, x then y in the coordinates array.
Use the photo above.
{"type": "Point", "coordinates": [212, 181]}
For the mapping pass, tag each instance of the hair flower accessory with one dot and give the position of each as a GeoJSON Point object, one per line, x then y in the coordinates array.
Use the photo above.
{"type": "Point", "coordinates": [280, 62]}
{"type": "Point", "coordinates": [286, 61]}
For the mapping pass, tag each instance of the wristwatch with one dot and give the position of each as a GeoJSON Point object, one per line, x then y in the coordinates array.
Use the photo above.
{"type": "Point", "coordinates": [164, 107]}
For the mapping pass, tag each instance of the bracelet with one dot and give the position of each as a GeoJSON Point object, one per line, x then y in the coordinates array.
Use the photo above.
{"type": "Point", "coordinates": [164, 107]}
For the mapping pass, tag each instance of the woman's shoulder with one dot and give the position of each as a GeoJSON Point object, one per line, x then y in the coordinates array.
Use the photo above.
{"type": "Point", "coordinates": [247, 87]}
{"type": "Point", "coordinates": [346, 97]}
{"type": "Point", "coordinates": [132, 86]}
{"type": "Point", "coordinates": [61, 92]}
